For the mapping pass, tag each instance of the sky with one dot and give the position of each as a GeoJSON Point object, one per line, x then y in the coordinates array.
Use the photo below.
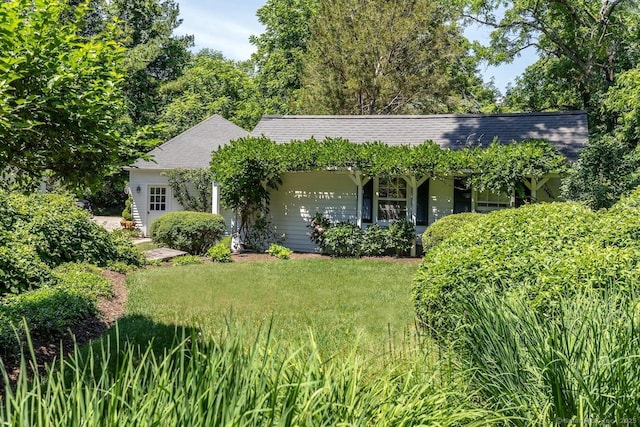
{"type": "Point", "coordinates": [225, 26]}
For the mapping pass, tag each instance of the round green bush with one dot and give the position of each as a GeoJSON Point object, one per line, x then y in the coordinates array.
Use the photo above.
{"type": "Point", "coordinates": [192, 232]}
{"type": "Point", "coordinates": [445, 227]}
{"type": "Point", "coordinates": [540, 250]}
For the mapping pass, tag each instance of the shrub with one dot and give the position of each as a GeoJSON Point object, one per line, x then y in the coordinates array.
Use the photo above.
{"type": "Point", "coordinates": [50, 310]}
{"type": "Point", "coordinates": [318, 225]}
{"type": "Point", "coordinates": [127, 215]}
{"type": "Point", "coordinates": [343, 240]}
{"type": "Point", "coordinates": [186, 260]}
{"type": "Point", "coordinates": [20, 267]}
{"type": "Point", "coordinates": [402, 235]}
{"type": "Point", "coordinates": [82, 278]}
{"type": "Point", "coordinates": [279, 251]}
{"type": "Point", "coordinates": [193, 232]}
{"type": "Point", "coordinates": [445, 227]}
{"type": "Point", "coordinates": [544, 250]}
{"type": "Point", "coordinates": [375, 241]}
{"type": "Point", "coordinates": [221, 251]}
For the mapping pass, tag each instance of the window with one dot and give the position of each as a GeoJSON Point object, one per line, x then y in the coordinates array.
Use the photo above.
{"type": "Point", "coordinates": [157, 198]}
{"type": "Point", "coordinates": [367, 202]}
{"type": "Point", "coordinates": [392, 199]}
{"type": "Point", "coordinates": [422, 212]}
{"type": "Point", "coordinates": [461, 196]}
{"type": "Point", "coordinates": [488, 201]}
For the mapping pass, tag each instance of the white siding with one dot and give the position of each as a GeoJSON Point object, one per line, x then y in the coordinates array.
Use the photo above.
{"type": "Point", "coordinates": [440, 198]}
{"type": "Point", "coordinates": [145, 178]}
{"type": "Point", "coordinates": [303, 194]}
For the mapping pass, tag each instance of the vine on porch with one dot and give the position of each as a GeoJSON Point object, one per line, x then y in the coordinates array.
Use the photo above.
{"type": "Point", "coordinates": [248, 168]}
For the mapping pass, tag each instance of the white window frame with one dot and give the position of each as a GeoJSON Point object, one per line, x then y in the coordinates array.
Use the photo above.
{"type": "Point", "coordinates": [378, 199]}
{"type": "Point", "coordinates": [486, 201]}
{"type": "Point", "coordinates": [155, 203]}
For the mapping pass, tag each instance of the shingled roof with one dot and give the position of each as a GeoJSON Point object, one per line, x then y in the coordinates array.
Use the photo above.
{"type": "Point", "coordinates": [566, 130]}
{"type": "Point", "coordinates": [192, 148]}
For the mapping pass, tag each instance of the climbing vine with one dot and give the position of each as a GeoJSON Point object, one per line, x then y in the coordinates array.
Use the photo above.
{"type": "Point", "coordinates": [192, 188]}
{"type": "Point", "coordinates": [248, 168]}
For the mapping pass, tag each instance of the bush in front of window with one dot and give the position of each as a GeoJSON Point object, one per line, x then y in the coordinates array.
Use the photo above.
{"type": "Point", "coordinates": [343, 240]}
{"type": "Point", "coordinates": [401, 236]}
{"type": "Point", "coordinates": [375, 241]}
{"type": "Point", "coordinates": [192, 232]}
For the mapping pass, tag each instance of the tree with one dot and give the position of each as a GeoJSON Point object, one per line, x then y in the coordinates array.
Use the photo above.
{"type": "Point", "coordinates": [60, 95]}
{"type": "Point", "coordinates": [210, 85]}
{"type": "Point", "coordinates": [391, 57]}
{"type": "Point", "coordinates": [582, 43]}
{"type": "Point", "coordinates": [280, 52]}
{"type": "Point", "coordinates": [154, 55]}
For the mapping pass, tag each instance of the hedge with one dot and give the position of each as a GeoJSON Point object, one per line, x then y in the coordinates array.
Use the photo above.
{"type": "Point", "coordinates": [192, 232]}
{"type": "Point", "coordinates": [540, 251]}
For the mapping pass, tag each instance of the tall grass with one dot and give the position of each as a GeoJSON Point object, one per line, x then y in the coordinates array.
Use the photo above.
{"type": "Point", "coordinates": [232, 380]}
{"type": "Point", "coordinates": [580, 364]}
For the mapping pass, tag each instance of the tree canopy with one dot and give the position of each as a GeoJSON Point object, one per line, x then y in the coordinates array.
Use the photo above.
{"type": "Point", "coordinates": [61, 95]}
{"type": "Point", "coordinates": [210, 84]}
{"type": "Point", "coordinates": [392, 57]}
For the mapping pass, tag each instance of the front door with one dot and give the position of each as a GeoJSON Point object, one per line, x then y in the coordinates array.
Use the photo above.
{"type": "Point", "coordinates": [157, 202]}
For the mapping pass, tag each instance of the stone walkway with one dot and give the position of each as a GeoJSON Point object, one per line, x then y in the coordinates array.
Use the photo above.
{"type": "Point", "coordinates": [162, 254]}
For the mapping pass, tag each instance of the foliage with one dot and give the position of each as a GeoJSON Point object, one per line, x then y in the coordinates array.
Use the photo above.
{"type": "Point", "coordinates": [440, 230]}
{"type": "Point", "coordinates": [540, 251]}
{"type": "Point", "coordinates": [83, 278]}
{"type": "Point", "coordinates": [280, 52]}
{"type": "Point", "coordinates": [20, 267]}
{"type": "Point", "coordinates": [127, 215]}
{"type": "Point", "coordinates": [622, 105]}
{"type": "Point", "coordinates": [577, 365]}
{"type": "Point", "coordinates": [585, 43]}
{"type": "Point", "coordinates": [60, 97]}
{"type": "Point", "coordinates": [343, 240]}
{"type": "Point", "coordinates": [318, 224]}
{"type": "Point", "coordinates": [186, 260]}
{"type": "Point", "coordinates": [375, 241]}
{"type": "Point", "coordinates": [247, 380]}
{"type": "Point", "coordinates": [39, 232]}
{"type": "Point", "coordinates": [279, 251]}
{"type": "Point", "coordinates": [52, 309]}
{"type": "Point", "coordinates": [401, 236]}
{"type": "Point", "coordinates": [209, 84]}
{"type": "Point", "coordinates": [248, 168]}
{"type": "Point", "coordinates": [154, 54]}
{"type": "Point", "coordinates": [109, 199]}
{"type": "Point", "coordinates": [413, 67]}
{"type": "Point", "coordinates": [184, 182]}
{"type": "Point", "coordinates": [261, 234]}
{"type": "Point", "coordinates": [221, 251]}
{"type": "Point", "coordinates": [192, 232]}
{"type": "Point", "coordinates": [607, 169]}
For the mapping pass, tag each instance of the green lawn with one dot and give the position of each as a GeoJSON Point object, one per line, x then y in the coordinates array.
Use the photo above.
{"type": "Point", "coordinates": [339, 301]}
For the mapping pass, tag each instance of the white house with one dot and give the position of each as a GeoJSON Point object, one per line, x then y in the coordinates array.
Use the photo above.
{"type": "Point", "coordinates": [347, 196]}
{"type": "Point", "coordinates": [151, 193]}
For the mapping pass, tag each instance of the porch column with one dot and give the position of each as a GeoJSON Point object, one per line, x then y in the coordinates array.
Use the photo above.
{"type": "Point", "coordinates": [215, 198]}
{"type": "Point", "coordinates": [356, 177]}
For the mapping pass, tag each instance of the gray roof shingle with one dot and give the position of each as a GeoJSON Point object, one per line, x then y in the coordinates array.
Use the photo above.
{"type": "Point", "coordinates": [566, 130]}
{"type": "Point", "coordinates": [192, 149]}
